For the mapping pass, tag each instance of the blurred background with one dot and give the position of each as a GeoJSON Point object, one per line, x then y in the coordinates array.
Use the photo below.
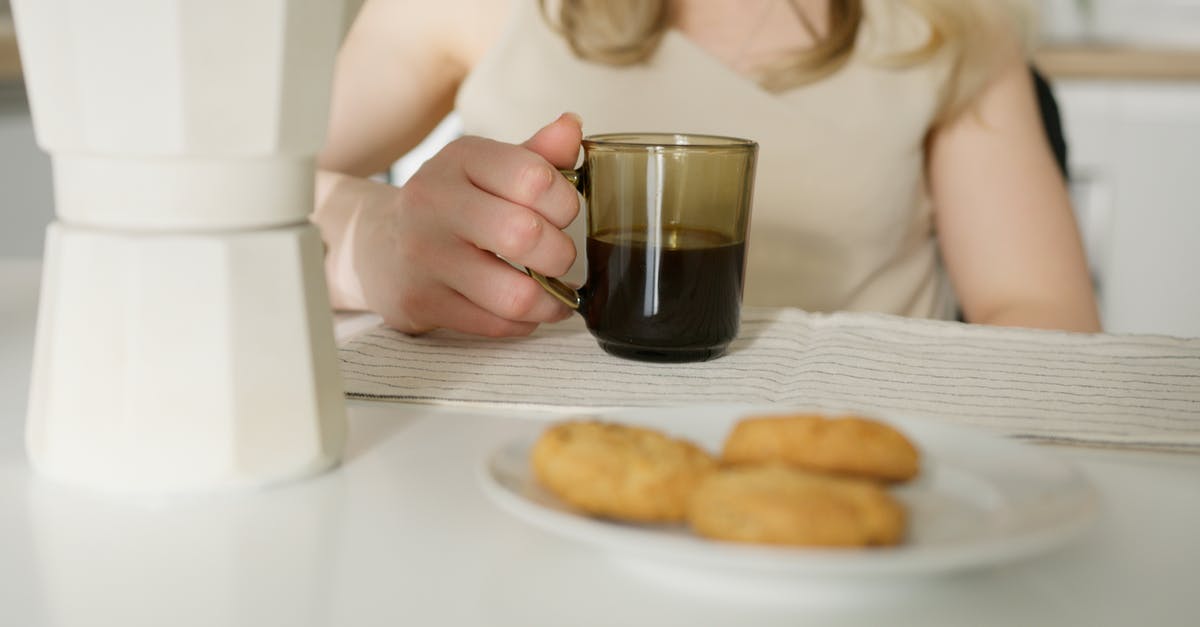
{"type": "Point", "coordinates": [1126, 74]}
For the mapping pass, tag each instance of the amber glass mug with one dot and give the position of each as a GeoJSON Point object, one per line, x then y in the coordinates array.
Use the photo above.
{"type": "Point", "coordinates": [667, 216]}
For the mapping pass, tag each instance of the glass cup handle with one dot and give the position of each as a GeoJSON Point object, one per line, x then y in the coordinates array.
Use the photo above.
{"type": "Point", "coordinates": [566, 294]}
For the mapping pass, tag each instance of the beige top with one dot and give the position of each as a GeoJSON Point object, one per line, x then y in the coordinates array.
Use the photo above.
{"type": "Point", "coordinates": [841, 217]}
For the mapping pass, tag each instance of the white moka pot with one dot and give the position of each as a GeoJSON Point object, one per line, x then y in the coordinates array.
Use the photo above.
{"type": "Point", "coordinates": [184, 337]}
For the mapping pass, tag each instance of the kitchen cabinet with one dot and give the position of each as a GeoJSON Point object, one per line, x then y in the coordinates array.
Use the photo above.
{"type": "Point", "coordinates": [1135, 169]}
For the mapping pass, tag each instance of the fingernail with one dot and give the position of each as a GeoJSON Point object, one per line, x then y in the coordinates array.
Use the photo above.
{"type": "Point", "coordinates": [574, 116]}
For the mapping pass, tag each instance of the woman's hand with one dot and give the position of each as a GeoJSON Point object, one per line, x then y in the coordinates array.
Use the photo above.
{"type": "Point", "coordinates": [425, 255]}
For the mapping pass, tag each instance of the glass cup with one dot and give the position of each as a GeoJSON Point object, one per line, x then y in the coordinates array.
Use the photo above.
{"type": "Point", "coordinates": [667, 216]}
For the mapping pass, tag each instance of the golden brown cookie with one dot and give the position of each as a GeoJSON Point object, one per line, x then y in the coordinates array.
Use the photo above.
{"type": "Point", "coordinates": [849, 446]}
{"type": "Point", "coordinates": [780, 504]}
{"type": "Point", "coordinates": [620, 471]}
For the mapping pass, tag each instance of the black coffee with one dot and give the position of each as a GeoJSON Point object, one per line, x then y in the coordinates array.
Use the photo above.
{"type": "Point", "coordinates": [674, 299]}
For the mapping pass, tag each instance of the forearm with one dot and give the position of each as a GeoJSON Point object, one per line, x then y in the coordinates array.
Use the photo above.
{"type": "Point", "coordinates": [1078, 316]}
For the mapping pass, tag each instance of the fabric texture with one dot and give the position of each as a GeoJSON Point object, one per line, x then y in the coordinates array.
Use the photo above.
{"type": "Point", "coordinates": [1104, 390]}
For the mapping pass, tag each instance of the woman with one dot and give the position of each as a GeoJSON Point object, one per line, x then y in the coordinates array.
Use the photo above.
{"type": "Point", "coordinates": [902, 167]}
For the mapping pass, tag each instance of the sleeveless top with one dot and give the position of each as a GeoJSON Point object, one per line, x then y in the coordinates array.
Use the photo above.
{"type": "Point", "coordinates": [841, 218]}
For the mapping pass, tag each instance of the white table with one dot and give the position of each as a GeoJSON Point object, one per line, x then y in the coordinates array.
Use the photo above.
{"type": "Point", "coordinates": [401, 535]}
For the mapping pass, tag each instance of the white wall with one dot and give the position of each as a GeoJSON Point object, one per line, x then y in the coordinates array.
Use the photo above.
{"type": "Point", "coordinates": [26, 197]}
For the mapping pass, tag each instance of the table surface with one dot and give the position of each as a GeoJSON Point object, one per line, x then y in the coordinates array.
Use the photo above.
{"type": "Point", "coordinates": [1100, 62]}
{"type": "Point", "coordinates": [401, 534]}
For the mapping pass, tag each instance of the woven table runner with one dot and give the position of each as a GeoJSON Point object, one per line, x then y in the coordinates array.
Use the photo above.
{"type": "Point", "coordinates": [1134, 391]}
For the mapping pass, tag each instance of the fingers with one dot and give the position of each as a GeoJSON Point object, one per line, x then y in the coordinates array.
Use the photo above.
{"type": "Point", "coordinates": [513, 232]}
{"type": "Point", "coordinates": [443, 308]}
{"type": "Point", "coordinates": [473, 201]}
{"type": "Point", "coordinates": [501, 289]}
{"type": "Point", "coordinates": [558, 142]}
{"type": "Point", "coordinates": [522, 177]}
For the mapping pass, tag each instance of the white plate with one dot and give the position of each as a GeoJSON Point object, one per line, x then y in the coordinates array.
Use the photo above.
{"type": "Point", "coordinates": [980, 500]}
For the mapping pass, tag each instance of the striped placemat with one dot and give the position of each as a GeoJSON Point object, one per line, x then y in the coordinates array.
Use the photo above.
{"type": "Point", "coordinates": [1132, 391]}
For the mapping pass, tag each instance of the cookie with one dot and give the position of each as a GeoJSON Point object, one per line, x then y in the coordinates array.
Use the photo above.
{"type": "Point", "coordinates": [849, 446]}
{"type": "Point", "coordinates": [619, 471]}
{"type": "Point", "coordinates": [783, 505]}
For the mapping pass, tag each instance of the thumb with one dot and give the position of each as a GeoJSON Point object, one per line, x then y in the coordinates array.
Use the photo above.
{"type": "Point", "coordinates": [558, 142]}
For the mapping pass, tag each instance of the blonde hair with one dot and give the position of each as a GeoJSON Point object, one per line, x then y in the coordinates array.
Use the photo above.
{"type": "Point", "coordinates": [974, 34]}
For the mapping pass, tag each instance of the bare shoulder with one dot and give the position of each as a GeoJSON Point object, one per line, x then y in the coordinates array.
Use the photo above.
{"type": "Point", "coordinates": [459, 30]}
